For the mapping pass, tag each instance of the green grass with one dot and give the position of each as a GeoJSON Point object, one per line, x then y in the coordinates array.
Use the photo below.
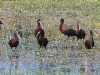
{"type": "Point", "coordinates": [1, 3]}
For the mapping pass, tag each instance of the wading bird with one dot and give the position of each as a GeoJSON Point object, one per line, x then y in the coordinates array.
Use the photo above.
{"type": "Point", "coordinates": [90, 42]}
{"type": "Point", "coordinates": [42, 41]}
{"type": "Point", "coordinates": [80, 33]}
{"type": "Point", "coordinates": [15, 41]}
{"type": "Point", "coordinates": [66, 31]}
{"type": "Point", "coordinates": [39, 28]}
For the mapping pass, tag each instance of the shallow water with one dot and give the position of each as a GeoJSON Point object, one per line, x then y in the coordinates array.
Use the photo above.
{"type": "Point", "coordinates": [72, 61]}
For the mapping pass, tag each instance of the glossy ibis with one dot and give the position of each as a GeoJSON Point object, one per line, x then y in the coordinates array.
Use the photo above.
{"type": "Point", "coordinates": [90, 42]}
{"type": "Point", "coordinates": [66, 31]}
{"type": "Point", "coordinates": [15, 41]}
{"type": "Point", "coordinates": [80, 33]}
{"type": "Point", "coordinates": [39, 28]}
{"type": "Point", "coordinates": [42, 41]}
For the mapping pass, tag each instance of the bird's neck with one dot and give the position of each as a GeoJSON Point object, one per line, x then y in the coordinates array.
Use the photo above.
{"type": "Point", "coordinates": [60, 26]}
{"type": "Point", "coordinates": [78, 27]}
{"type": "Point", "coordinates": [16, 37]}
{"type": "Point", "coordinates": [38, 24]}
{"type": "Point", "coordinates": [91, 38]}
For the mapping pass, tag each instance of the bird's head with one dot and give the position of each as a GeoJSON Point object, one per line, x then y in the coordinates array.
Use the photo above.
{"type": "Point", "coordinates": [62, 20]}
{"type": "Point", "coordinates": [17, 35]}
{"type": "Point", "coordinates": [78, 23]}
{"type": "Point", "coordinates": [39, 22]}
{"type": "Point", "coordinates": [93, 33]}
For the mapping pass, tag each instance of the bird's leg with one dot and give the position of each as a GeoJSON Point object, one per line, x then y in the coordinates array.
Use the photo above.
{"type": "Point", "coordinates": [15, 48]}
{"type": "Point", "coordinates": [77, 40]}
{"type": "Point", "coordinates": [83, 41]}
{"type": "Point", "coordinates": [68, 41]}
{"type": "Point", "coordinates": [91, 45]}
{"type": "Point", "coordinates": [45, 47]}
{"type": "Point", "coordinates": [20, 43]}
{"type": "Point", "coordinates": [73, 38]}
{"type": "Point", "coordinates": [40, 47]}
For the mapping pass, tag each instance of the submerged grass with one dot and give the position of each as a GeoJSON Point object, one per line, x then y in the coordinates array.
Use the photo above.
{"type": "Point", "coordinates": [41, 72]}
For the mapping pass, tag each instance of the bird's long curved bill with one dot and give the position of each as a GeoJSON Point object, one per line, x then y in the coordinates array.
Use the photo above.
{"type": "Point", "coordinates": [38, 33]}
{"type": "Point", "coordinates": [41, 24]}
{"type": "Point", "coordinates": [95, 34]}
{"type": "Point", "coordinates": [18, 36]}
{"type": "Point", "coordinates": [57, 22]}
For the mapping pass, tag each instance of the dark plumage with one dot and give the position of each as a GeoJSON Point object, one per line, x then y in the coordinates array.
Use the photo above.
{"type": "Point", "coordinates": [70, 32]}
{"type": "Point", "coordinates": [42, 41]}
{"type": "Point", "coordinates": [39, 28]}
{"type": "Point", "coordinates": [90, 42]}
{"type": "Point", "coordinates": [66, 31]}
{"type": "Point", "coordinates": [1, 22]}
{"type": "Point", "coordinates": [14, 42]}
{"type": "Point", "coordinates": [80, 33]}
{"type": "Point", "coordinates": [41, 32]}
